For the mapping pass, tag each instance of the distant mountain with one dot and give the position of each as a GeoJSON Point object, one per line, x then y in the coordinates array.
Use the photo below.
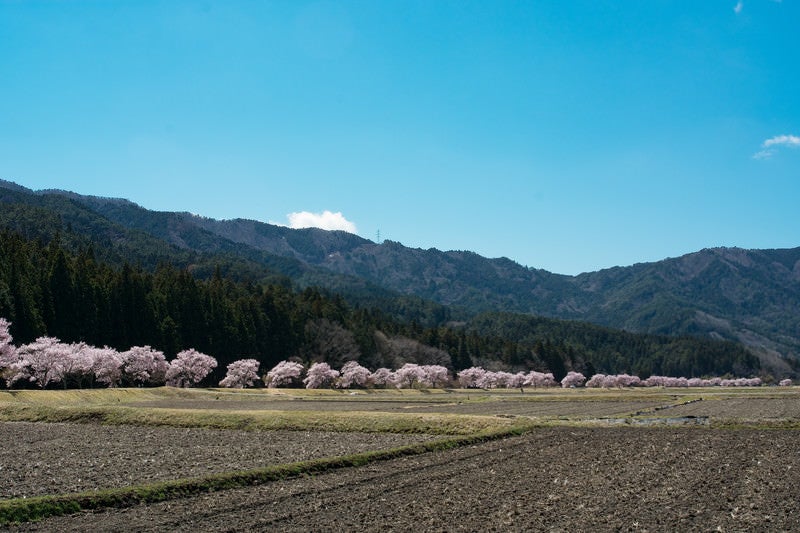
{"type": "Point", "coordinates": [749, 296]}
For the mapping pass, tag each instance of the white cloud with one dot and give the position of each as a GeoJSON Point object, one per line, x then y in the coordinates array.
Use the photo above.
{"type": "Point", "coordinates": [769, 147]}
{"type": "Point", "coordinates": [763, 154]}
{"type": "Point", "coordinates": [785, 140]}
{"type": "Point", "coordinates": [738, 7]}
{"type": "Point", "coordinates": [325, 220]}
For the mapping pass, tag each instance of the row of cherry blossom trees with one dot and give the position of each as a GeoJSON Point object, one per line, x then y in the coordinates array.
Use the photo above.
{"type": "Point", "coordinates": [608, 381]}
{"type": "Point", "coordinates": [47, 362]}
{"type": "Point", "coordinates": [352, 374]}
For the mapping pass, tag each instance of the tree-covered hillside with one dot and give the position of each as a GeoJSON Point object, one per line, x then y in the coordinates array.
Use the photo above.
{"type": "Point", "coordinates": [47, 289]}
{"type": "Point", "coordinates": [749, 296]}
{"type": "Point", "coordinates": [177, 250]}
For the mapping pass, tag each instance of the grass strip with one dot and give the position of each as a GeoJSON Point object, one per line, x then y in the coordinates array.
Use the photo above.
{"type": "Point", "coordinates": [263, 420]}
{"type": "Point", "coordinates": [19, 510]}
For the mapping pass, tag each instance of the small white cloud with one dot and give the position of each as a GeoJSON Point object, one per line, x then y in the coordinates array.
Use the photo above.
{"type": "Point", "coordinates": [782, 140]}
{"type": "Point", "coordinates": [325, 220]}
{"type": "Point", "coordinates": [769, 147]}
{"type": "Point", "coordinates": [738, 7]}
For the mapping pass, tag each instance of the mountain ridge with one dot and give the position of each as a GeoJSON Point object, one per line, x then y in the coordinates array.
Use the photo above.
{"type": "Point", "coordinates": [749, 296]}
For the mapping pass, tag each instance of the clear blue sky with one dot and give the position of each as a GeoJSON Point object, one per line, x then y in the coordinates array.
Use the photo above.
{"type": "Point", "coordinates": [570, 136]}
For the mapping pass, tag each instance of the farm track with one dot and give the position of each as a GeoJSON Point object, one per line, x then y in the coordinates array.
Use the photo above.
{"type": "Point", "coordinates": [559, 479]}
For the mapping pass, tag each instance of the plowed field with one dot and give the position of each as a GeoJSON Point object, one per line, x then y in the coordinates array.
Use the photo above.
{"type": "Point", "coordinates": [59, 458]}
{"type": "Point", "coordinates": [555, 479]}
{"type": "Point", "coordinates": [593, 461]}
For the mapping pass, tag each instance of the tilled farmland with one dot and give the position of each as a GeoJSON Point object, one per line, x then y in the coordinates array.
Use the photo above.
{"type": "Point", "coordinates": [60, 458]}
{"type": "Point", "coordinates": [605, 461]}
{"type": "Point", "coordinates": [554, 479]}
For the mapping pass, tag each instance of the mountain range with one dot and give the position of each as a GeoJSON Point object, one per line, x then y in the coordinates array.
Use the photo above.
{"type": "Point", "coordinates": [747, 296]}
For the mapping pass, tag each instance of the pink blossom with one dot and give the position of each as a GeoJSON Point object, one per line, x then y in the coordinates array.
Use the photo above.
{"type": "Point", "coordinates": [573, 379]}
{"type": "Point", "coordinates": [408, 375]}
{"type": "Point", "coordinates": [40, 362]}
{"type": "Point", "coordinates": [785, 383]}
{"type": "Point", "coordinates": [741, 382]}
{"type": "Point", "coordinates": [8, 353]}
{"type": "Point", "coordinates": [353, 374]}
{"type": "Point", "coordinates": [516, 381]}
{"type": "Point", "coordinates": [189, 368]}
{"type": "Point", "coordinates": [142, 365]}
{"type": "Point", "coordinates": [540, 379]}
{"type": "Point", "coordinates": [613, 380]}
{"type": "Point", "coordinates": [76, 366]}
{"type": "Point", "coordinates": [284, 373]}
{"type": "Point", "coordinates": [471, 377]}
{"type": "Point", "coordinates": [320, 374]}
{"type": "Point", "coordinates": [435, 375]}
{"type": "Point", "coordinates": [241, 374]}
{"type": "Point", "coordinates": [488, 380]}
{"type": "Point", "coordinates": [383, 377]}
{"type": "Point", "coordinates": [106, 365]}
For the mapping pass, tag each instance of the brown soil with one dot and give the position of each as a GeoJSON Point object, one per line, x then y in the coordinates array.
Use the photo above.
{"type": "Point", "coordinates": [555, 479]}
{"type": "Point", "coordinates": [742, 408]}
{"type": "Point", "coordinates": [60, 458]}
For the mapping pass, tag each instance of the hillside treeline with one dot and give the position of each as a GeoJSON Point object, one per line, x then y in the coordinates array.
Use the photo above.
{"type": "Point", "coordinates": [592, 349]}
{"type": "Point", "coordinates": [47, 288]}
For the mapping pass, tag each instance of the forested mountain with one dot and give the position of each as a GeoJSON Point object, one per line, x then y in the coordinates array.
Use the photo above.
{"type": "Point", "coordinates": [748, 296]}
{"type": "Point", "coordinates": [47, 289]}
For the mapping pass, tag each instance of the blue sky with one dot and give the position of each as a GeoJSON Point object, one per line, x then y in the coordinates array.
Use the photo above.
{"type": "Point", "coordinates": [570, 136]}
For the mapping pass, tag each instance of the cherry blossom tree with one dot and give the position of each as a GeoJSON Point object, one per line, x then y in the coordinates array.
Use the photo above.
{"type": "Point", "coordinates": [471, 378]}
{"type": "Point", "coordinates": [602, 381]}
{"type": "Point", "coordinates": [383, 377]}
{"type": "Point", "coordinates": [285, 373]}
{"type": "Point", "coordinates": [540, 379]}
{"type": "Point", "coordinates": [142, 365]}
{"type": "Point", "coordinates": [741, 382]}
{"type": "Point", "coordinates": [189, 368]}
{"type": "Point", "coordinates": [39, 362]}
{"type": "Point", "coordinates": [319, 375]}
{"type": "Point", "coordinates": [75, 367]}
{"type": "Point", "coordinates": [106, 365]}
{"type": "Point", "coordinates": [627, 380]}
{"type": "Point", "coordinates": [573, 379]}
{"type": "Point", "coordinates": [664, 381]}
{"type": "Point", "coordinates": [435, 375]}
{"type": "Point", "coordinates": [488, 380]}
{"type": "Point", "coordinates": [408, 375]}
{"type": "Point", "coordinates": [353, 374]}
{"type": "Point", "coordinates": [8, 353]}
{"type": "Point", "coordinates": [785, 383]}
{"type": "Point", "coordinates": [509, 380]}
{"type": "Point", "coordinates": [241, 374]}
{"type": "Point", "coordinates": [516, 381]}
